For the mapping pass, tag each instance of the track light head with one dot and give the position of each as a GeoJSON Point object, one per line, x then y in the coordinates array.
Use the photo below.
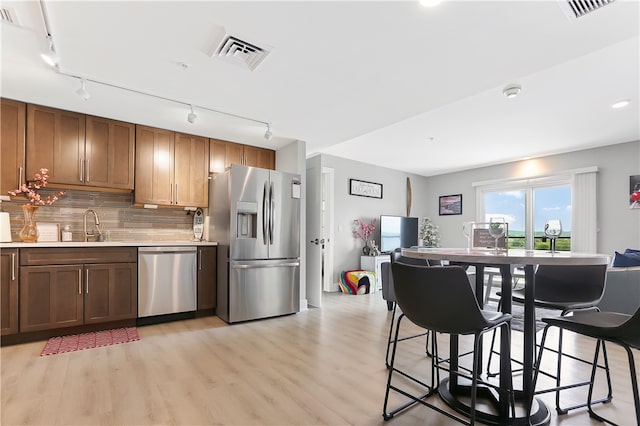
{"type": "Point", "coordinates": [191, 117]}
{"type": "Point", "coordinates": [267, 134]}
{"type": "Point", "coordinates": [82, 91]}
{"type": "Point", "coordinates": [51, 57]}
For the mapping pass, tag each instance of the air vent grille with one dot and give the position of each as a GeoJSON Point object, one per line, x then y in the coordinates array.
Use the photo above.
{"type": "Point", "coordinates": [579, 8]}
{"type": "Point", "coordinates": [8, 16]}
{"type": "Point", "coordinates": [241, 52]}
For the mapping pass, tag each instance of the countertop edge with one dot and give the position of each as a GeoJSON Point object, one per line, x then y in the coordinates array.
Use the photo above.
{"type": "Point", "coordinates": [59, 244]}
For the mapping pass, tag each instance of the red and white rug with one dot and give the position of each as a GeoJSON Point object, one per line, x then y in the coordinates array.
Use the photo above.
{"type": "Point", "coordinates": [78, 342]}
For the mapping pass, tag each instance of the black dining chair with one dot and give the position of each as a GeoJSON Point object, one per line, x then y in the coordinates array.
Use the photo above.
{"type": "Point", "coordinates": [568, 289]}
{"type": "Point", "coordinates": [427, 297]}
{"type": "Point", "coordinates": [621, 329]}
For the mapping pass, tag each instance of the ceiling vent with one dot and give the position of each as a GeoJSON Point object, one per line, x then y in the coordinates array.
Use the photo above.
{"type": "Point", "coordinates": [578, 8]}
{"type": "Point", "coordinates": [8, 16]}
{"type": "Point", "coordinates": [240, 52]}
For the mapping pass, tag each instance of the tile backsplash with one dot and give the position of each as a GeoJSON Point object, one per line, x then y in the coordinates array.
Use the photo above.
{"type": "Point", "coordinates": [120, 219]}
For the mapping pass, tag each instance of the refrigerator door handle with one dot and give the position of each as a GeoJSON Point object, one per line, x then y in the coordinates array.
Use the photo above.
{"type": "Point", "coordinates": [265, 265]}
{"type": "Point", "coordinates": [272, 212]}
{"type": "Point", "coordinates": [264, 214]}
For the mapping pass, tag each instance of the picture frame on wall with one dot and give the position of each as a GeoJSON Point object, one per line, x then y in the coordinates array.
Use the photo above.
{"type": "Point", "coordinates": [363, 188]}
{"type": "Point", "coordinates": [634, 192]}
{"type": "Point", "coordinates": [450, 205]}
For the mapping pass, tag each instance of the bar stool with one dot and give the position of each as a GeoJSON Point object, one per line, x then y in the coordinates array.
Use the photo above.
{"type": "Point", "coordinates": [569, 289]}
{"type": "Point", "coordinates": [426, 296]}
{"type": "Point", "coordinates": [621, 329]}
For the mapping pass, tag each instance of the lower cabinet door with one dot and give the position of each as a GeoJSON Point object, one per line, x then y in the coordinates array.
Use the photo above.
{"type": "Point", "coordinates": [50, 297]}
{"type": "Point", "coordinates": [110, 292]}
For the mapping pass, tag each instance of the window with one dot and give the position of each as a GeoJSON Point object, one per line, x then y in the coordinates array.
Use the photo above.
{"type": "Point", "coordinates": [526, 206]}
{"type": "Point", "coordinates": [526, 203]}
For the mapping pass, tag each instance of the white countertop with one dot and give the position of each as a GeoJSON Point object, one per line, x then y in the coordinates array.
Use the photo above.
{"type": "Point", "coordinates": [60, 244]}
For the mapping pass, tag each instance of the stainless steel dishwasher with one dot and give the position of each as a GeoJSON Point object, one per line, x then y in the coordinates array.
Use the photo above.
{"type": "Point", "coordinates": [167, 280]}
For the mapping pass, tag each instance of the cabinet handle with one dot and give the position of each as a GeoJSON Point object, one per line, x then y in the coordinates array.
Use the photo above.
{"type": "Point", "coordinates": [199, 260]}
{"type": "Point", "coordinates": [13, 266]}
{"type": "Point", "coordinates": [79, 281]}
{"type": "Point", "coordinates": [176, 193]}
{"type": "Point", "coordinates": [88, 174]}
{"type": "Point", "coordinates": [20, 177]}
{"type": "Point", "coordinates": [81, 169]}
{"type": "Point", "coordinates": [170, 194]}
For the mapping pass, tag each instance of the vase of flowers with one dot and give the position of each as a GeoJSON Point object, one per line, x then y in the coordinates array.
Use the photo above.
{"type": "Point", "coordinates": [429, 233]}
{"type": "Point", "coordinates": [31, 191]}
{"type": "Point", "coordinates": [364, 231]}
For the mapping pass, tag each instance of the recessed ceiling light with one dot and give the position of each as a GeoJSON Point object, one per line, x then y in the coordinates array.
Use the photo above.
{"type": "Point", "coordinates": [620, 104]}
{"type": "Point", "coordinates": [512, 90]}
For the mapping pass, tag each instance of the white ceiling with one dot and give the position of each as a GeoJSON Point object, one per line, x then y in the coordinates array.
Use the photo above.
{"type": "Point", "coordinates": [387, 82]}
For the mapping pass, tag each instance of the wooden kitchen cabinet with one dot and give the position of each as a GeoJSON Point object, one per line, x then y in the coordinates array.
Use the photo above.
{"type": "Point", "coordinates": [55, 141]}
{"type": "Point", "coordinates": [223, 154]}
{"type": "Point", "coordinates": [259, 157]}
{"type": "Point", "coordinates": [207, 273]}
{"type": "Point", "coordinates": [75, 286]}
{"type": "Point", "coordinates": [110, 292]}
{"type": "Point", "coordinates": [191, 171]}
{"type": "Point", "coordinates": [50, 297]}
{"type": "Point", "coordinates": [171, 169]}
{"type": "Point", "coordinates": [12, 145]}
{"type": "Point", "coordinates": [109, 153]}
{"type": "Point", "coordinates": [8, 291]}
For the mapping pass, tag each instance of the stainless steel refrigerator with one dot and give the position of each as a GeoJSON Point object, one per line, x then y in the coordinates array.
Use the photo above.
{"type": "Point", "coordinates": [254, 215]}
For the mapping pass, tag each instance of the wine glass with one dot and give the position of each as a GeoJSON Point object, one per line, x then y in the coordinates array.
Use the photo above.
{"type": "Point", "coordinates": [552, 230]}
{"type": "Point", "coordinates": [466, 231]}
{"type": "Point", "coordinates": [497, 229]}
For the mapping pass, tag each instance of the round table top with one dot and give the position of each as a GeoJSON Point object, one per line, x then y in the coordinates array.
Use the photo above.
{"type": "Point", "coordinates": [509, 257]}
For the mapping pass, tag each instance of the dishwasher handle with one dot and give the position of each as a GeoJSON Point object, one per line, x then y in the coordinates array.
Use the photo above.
{"type": "Point", "coordinates": [166, 249]}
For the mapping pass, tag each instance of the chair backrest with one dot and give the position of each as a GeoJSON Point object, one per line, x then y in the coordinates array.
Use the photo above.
{"type": "Point", "coordinates": [570, 283]}
{"type": "Point", "coordinates": [437, 298]}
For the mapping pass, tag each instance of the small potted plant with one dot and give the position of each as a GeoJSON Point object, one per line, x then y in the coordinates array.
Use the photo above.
{"type": "Point", "coordinates": [364, 231]}
{"type": "Point", "coordinates": [429, 233]}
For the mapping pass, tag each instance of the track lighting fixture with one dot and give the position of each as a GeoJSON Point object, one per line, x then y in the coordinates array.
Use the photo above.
{"type": "Point", "coordinates": [51, 57]}
{"type": "Point", "coordinates": [268, 135]}
{"type": "Point", "coordinates": [82, 91]}
{"type": "Point", "coordinates": [191, 117]}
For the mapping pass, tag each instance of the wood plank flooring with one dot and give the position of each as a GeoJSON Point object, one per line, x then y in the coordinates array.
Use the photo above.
{"type": "Point", "coordinates": [318, 367]}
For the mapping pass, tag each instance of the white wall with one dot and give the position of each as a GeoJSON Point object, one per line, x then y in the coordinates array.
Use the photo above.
{"type": "Point", "coordinates": [347, 249]}
{"type": "Point", "coordinates": [619, 226]}
{"type": "Point", "coordinates": [291, 159]}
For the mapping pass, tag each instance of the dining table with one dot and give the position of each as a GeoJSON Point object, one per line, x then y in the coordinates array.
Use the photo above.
{"type": "Point", "coordinates": [455, 392]}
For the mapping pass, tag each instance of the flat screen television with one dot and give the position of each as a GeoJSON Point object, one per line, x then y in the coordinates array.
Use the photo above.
{"type": "Point", "coordinates": [398, 232]}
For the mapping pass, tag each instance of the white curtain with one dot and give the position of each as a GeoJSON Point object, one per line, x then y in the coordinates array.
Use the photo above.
{"type": "Point", "coordinates": [584, 224]}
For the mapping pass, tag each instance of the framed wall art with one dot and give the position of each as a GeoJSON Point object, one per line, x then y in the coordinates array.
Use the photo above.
{"type": "Point", "coordinates": [450, 205]}
{"type": "Point", "coordinates": [363, 188]}
{"type": "Point", "coordinates": [634, 192]}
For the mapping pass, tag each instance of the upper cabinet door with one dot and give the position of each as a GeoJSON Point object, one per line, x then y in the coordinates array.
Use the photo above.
{"type": "Point", "coordinates": [191, 187]}
{"type": "Point", "coordinates": [109, 154]}
{"type": "Point", "coordinates": [259, 157]}
{"type": "Point", "coordinates": [55, 141]}
{"type": "Point", "coordinates": [223, 154]}
{"type": "Point", "coordinates": [12, 142]}
{"type": "Point", "coordinates": [154, 166]}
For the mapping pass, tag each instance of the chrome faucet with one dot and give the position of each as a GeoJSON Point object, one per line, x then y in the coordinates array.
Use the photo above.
{"type": "Point", "coordinates": [97, 224]}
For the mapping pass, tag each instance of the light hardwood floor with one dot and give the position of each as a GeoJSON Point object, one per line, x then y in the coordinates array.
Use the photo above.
{"type": "Point", "coordinates": [321, 367]}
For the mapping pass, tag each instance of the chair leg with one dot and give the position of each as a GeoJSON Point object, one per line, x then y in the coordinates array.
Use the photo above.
{"type": "Point", "coordinates": [565, 410]}
{"type": "Point", "coordinates": [634, 383]}
{"type": "Point", "coordinates": [393, 320]}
